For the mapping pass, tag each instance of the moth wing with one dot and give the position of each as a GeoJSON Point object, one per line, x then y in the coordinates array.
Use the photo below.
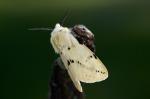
{"type": "Point", "coordinates": [71, 73]}
{"type": "Point", "coordinates": [94, 70]}
{"type": "Point", "coordinates": [86, 67]}
{"type": "Point", "coordinates": [75, 81]}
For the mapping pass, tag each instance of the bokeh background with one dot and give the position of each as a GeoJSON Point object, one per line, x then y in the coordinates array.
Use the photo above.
{"type": "Point", "coordinates": [122, 33]}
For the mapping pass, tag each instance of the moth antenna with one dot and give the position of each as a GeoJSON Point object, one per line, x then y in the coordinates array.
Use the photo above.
{"type": "Point", "coordinates": [39, 29]}
{"type": "Point", "coordinates": [65, 17]}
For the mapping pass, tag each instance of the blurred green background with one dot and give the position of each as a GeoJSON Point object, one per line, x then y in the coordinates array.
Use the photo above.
{"type": "Point", "coordinates": [122, 33]}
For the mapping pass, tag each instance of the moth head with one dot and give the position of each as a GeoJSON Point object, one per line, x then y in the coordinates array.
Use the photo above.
{"type": "Point", "coordinates": [84, 36]}
{"type": "Point", "coordinates": [59, 28]}
{"type": "Point", "coordinates": [58, 37]}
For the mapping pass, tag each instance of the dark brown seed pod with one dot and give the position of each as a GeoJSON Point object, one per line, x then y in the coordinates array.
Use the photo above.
{"type": "Point", "coordinates": [84, 36]}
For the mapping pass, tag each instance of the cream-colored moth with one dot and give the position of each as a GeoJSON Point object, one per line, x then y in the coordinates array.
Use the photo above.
{"type": "Point", "coordinates": [80, 62]}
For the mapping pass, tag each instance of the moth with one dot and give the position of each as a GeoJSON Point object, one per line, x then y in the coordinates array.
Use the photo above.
{"type": "Point", "coordinates": [80, 62]}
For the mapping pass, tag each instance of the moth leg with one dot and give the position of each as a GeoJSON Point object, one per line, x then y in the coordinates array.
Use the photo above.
{"type": "Point", "coordinates": [76, 82]}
